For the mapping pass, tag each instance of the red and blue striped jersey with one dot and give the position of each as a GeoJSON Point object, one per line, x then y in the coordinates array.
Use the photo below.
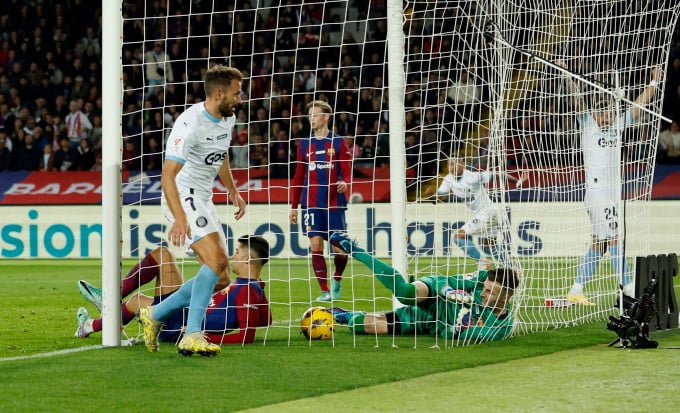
{"type": "Point", "coordinates": [241, 306]}
{"type": "Point", "coordinates": [321, 163]}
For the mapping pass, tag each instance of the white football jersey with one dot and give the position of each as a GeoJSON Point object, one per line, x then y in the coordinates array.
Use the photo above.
{"type": "Point", "coordinates": [470, 188]}
{"type": "Point", "coordinates": [600, 156]}
{"type": "Point", "coordinates": [200, 142]}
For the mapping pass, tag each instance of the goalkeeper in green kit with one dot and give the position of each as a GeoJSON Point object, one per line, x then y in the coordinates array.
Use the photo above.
{"type": "Point", "coordinates": [470, 308]}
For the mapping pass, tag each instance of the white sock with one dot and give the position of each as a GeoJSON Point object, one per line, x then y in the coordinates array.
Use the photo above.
{"type": "Point", "coordinates": [629, 290]}
{"type": "Point", "coordinates": [576, 289]}
{"type": "Point", "coordinates": [87, 326]}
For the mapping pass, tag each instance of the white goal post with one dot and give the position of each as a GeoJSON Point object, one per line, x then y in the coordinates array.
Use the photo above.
{"type": "Point", "coordinates": [412, 84]}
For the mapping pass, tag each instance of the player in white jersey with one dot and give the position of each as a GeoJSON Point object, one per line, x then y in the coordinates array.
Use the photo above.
{"type": "Point", "coordinates": [196, 152]}
{"type": "Point", "coordinates": [601, 130]}
{"type": "Point", "coordinates": [470, 187]}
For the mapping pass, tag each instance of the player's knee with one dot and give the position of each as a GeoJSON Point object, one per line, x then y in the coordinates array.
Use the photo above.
{"type": "Point", "coordinates": [460, 234]}
{"type": "Point", "coordinates": [163, 254]}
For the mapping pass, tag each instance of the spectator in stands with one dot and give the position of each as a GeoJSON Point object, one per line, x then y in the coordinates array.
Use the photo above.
{"type": "Point", "coordinates": [669, 144]}
{"type": "Point", "coordinates": [366, 157]}
{"type": "Point", "coordinates": [5, 153]}
{"type": "Point", "coordinates": [66, 157]}
{"type": "Point", "coordinates": [153, 155]}
{"type": "Point", "coordinates": [27, 153]}
{"type": "Point", "coordinates": [280, 161]}
{"type": "Point", "coordinates": [158, 69]}
{"type": "Point", "coordinates": [239, 151]}
{"type": "Point", "coordinates": [258, 152]}
{"type": "Point", "coordinates": [78, 125]}
{"type": "Point", "coordinates": [131, 161]}
{"type": "Point", "coordinates": [47, 158]}
{"type": "Point", "coordinates": [86, 156]}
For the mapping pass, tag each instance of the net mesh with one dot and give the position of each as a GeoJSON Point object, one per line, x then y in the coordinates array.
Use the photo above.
{"type": "Point", "coordinates": [481, 85]}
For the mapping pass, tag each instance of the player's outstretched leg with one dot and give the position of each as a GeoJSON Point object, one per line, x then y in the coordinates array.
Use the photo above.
{"type": "Point", "coordinates": [91, 293]}
{"type": "Point", "coordinates": [386, 274]}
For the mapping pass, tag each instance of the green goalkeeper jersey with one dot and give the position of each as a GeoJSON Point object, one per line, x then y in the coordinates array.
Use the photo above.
{"type": "Point", "coordinates": [443, 316]}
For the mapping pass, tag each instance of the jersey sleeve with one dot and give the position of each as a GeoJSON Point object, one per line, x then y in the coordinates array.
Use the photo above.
{"type": "Point", "coordinates": [345, 161]}
{"type": "Point", "coordinates": [298, 178]}
{"type": "Point", "coordinates": [177, 146]}
{"type": "Point", "coordinates": [445, 187]}
{"type": "Point", "coordinates": [249, 312]}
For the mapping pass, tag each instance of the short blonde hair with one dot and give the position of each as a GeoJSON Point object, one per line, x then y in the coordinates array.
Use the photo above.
{"type": "Point", "coordinates": [324, 106]}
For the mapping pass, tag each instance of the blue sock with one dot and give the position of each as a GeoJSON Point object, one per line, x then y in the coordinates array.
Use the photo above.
{"type": "Point", "coordinates": [468, 247]}
{"type": "Point", "coordinates": [179, 299]}
{"type": "Point", "coordinates": [200, 298]}
{"type": "Point", "coordinates": [616, 264]}
{"type": "Point", "coordinates": [588, 266]}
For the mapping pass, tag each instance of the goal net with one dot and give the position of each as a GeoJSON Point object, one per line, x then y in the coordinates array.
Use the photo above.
{"type": "Point", "coordinates": [497, 85]}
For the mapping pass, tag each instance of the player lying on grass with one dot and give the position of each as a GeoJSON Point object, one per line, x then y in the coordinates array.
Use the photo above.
{"type": "Point", "coordinates": [472, 308]}
{"type": "Point", "coordinates": [233, 314]}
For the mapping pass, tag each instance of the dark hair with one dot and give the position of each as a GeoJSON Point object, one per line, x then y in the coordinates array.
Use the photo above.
{"type": "Point", "coordinates": [258, 247]}
{"type": "Point", "coordinates": [506, 277]}
{"type": "Point", "coordinates": [220, 76]}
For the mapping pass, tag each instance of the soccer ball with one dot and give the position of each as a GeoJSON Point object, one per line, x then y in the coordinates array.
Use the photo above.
{"type": "Point", "coordinates": [317, 323]}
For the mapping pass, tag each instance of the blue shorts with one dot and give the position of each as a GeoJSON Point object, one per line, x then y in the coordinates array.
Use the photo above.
{"type": "Point", "coordinates": [172, 326]}
{"type": "Point", "coordinates": [322, 222]}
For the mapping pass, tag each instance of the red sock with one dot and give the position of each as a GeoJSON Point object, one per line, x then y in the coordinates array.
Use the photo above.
{"type": "Point", "coordinates": [97, 324]}
{"type": "Point", "coordinates": [320, 270]}
{"type": "Point", "coordinates": [125, 315]}
{"type": "Point", "coordinates": [145, 271]}
{"type": "Point", "coordinates": [340, 261]}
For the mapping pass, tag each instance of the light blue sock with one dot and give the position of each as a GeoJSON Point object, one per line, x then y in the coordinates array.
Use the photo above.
{"type": "Point", "coordinates": [180, 299]}
{"type": "Point", "coordinates": [500, 253]}
{"type": "Point", "coordinates": [616, 264]}
{"type": "Point", "coordinates": [588, 266]}
{"type": "Point", "coordinates": [468, 247]}
{"type": "Point", "coordinates": [200, 298]}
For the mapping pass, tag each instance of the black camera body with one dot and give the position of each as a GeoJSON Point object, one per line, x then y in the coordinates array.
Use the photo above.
{"type": "Point", "coordinates": [632, 327]}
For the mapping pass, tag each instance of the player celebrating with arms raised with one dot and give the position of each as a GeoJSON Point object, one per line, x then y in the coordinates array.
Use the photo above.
{"type": "Point", "coordinates": [601, 131]}
{"type": "Point", "coordinates": [197, 151]}
{"type": "Point", "coordinates": [321, 185]}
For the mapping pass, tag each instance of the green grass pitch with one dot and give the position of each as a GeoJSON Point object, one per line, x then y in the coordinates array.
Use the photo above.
{"type": "Point", "coordinates": [43, 367]}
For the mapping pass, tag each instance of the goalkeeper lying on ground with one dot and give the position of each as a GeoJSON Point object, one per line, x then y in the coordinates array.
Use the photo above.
{"type": "Point", "coordinates": [472, 308]}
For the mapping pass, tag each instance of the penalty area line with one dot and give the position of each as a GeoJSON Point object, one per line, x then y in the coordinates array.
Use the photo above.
{"type": "Point", "coordinates": [52, 353]}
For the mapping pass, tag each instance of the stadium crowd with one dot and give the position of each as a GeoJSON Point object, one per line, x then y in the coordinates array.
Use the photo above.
{"type": "Point", "coordinates": [51, 82]}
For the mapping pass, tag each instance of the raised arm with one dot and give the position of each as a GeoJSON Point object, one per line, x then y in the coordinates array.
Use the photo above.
{"type": "Point", "coordinates": [647, 94]}
{"type": "Point", "coordinates": [573, 90]}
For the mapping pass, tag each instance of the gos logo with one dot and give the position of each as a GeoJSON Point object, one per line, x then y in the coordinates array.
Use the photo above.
{"type": "Point", "coordinates": [201, 222]}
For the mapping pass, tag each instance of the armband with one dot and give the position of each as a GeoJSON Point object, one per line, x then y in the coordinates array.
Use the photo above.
{"type": "Point", "coordinates": [653, 83]}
